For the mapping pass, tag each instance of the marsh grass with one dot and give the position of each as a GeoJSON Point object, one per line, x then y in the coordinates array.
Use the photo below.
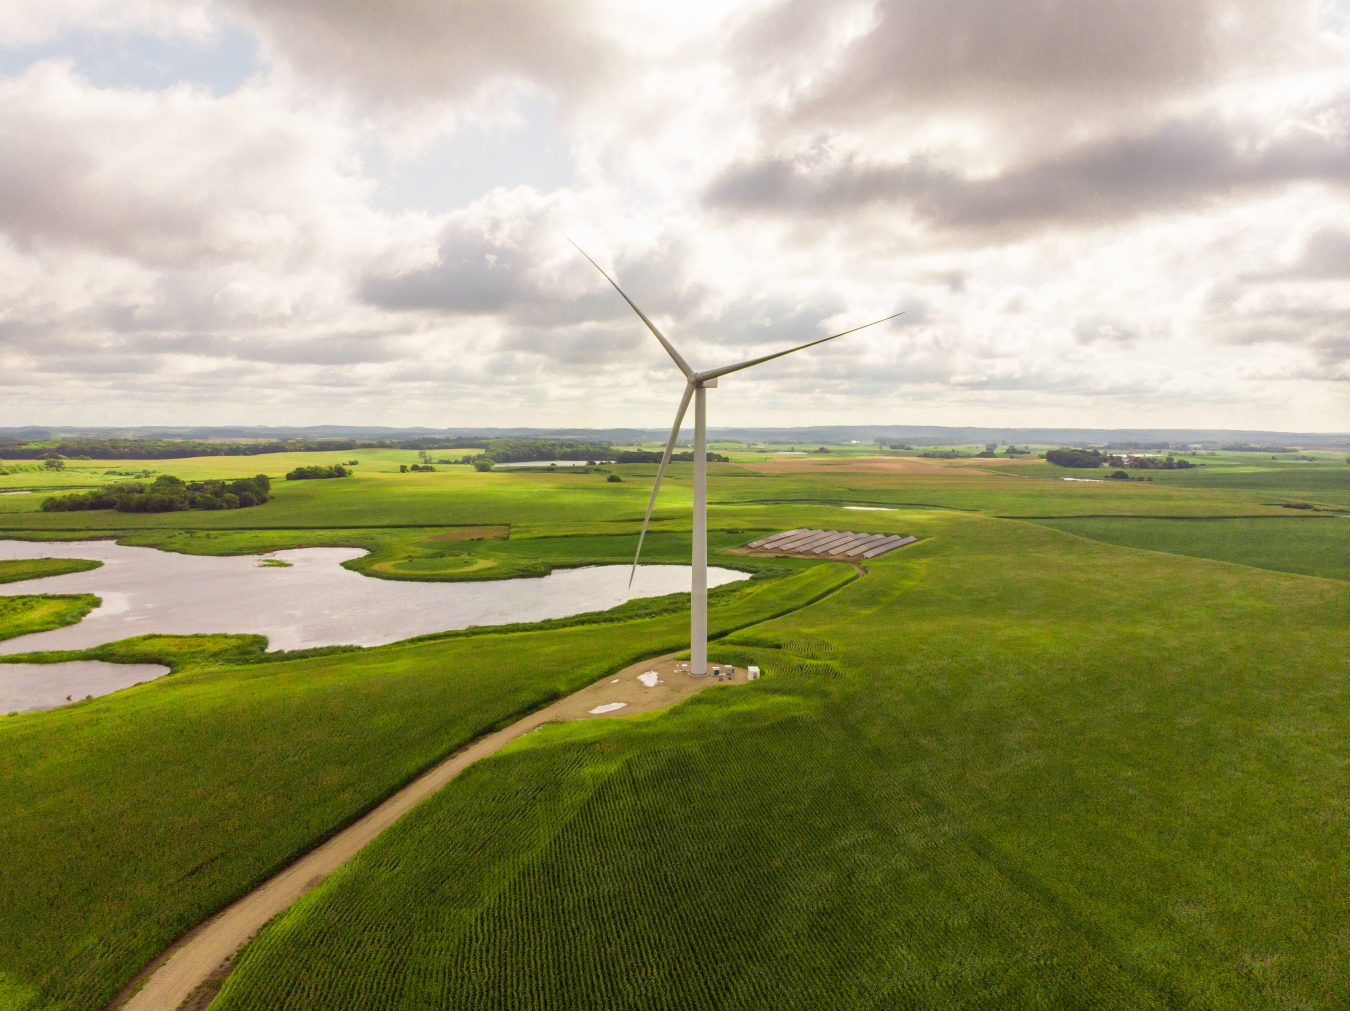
{"type": "Point", "coordinates": [27, 613]}
{"type": "Point", "coordinates": [13, 570]}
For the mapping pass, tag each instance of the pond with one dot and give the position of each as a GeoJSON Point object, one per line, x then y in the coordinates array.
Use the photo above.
{"type": "Point", "coordinates": [25, 686]}
{"type": "Point", "coordinates": [313, 601]}
{"type": "Point", "coordinates": [545, 463]}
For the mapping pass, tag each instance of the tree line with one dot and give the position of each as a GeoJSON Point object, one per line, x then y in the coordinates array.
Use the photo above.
{"type": "Point", "coordinates": [176, 449]}
{"type": "Point", "coordinates": [1089, 458]}
{"type": "Point", "coordinates": [167, 494]}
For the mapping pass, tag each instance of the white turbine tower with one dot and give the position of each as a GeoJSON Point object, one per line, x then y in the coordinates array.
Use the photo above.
{"type": "Point", "coordinates": [696, 385]}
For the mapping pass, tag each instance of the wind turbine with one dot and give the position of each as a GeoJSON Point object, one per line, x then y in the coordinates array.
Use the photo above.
{"type": "Point", "coordinates": [696, 386]}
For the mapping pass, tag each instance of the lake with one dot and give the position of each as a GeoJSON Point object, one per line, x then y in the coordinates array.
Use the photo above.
{"type": "Point", "coordinates": [25, 686]}
{"type": "Point", "coordinates": [314, 602]}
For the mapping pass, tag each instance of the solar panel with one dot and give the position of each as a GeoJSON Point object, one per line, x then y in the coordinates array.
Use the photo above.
{"type": "Point", "coordinates": [774, 538]}
{"type": "Point", "coordinates": [830, 542]}
{"type": "Point", "coordinates": [792, 543]}
{"type": "Point", "coordinates": [853, 541]}
{"type": "Point", "coordinates": [815, 542]}
{"type": "Point", "coordinates": [889, 545]}
{"type": "Point", "coordinates": [862, 546]}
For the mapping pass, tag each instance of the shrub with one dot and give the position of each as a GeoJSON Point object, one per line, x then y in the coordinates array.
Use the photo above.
{"type": "Point", "coordinates": [482, 465]}
{"type": "Point", "coordinates": [614, 479]}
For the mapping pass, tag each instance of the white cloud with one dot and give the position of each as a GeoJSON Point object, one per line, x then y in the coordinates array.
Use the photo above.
{"type": "Point", "coordinates": [31, 22]}
{"type": "Point", "coordinates": [1091, 213]}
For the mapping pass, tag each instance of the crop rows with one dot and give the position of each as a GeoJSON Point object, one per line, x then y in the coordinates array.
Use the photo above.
{"type": "Point", "coordinates": [1016, 799]}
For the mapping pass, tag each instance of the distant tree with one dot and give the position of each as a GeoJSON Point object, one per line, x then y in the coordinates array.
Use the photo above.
{"type": "Point", "coordinates": [52, 463]}
{"type": "Point", "coordinates": [614, 479]}
{"type": "Point", "coordinates": [482, 464]}
{"type": "Point", "coordinates": [424, 456]}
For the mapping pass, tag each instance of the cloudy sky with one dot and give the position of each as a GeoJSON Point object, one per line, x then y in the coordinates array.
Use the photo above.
{"type": "Point", "coordinates": [1093, 212]}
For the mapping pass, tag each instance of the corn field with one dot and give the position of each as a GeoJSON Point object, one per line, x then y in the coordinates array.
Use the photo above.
{"type": "Point", "coordinates": [999, 804]}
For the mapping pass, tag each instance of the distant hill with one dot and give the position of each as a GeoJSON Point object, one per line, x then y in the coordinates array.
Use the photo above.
{"type": "Point", "coordinates": [930, 435]}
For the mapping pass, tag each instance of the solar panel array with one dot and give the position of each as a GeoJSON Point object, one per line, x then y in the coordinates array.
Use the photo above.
{"type": "Point", "coordinates": [832, 543]}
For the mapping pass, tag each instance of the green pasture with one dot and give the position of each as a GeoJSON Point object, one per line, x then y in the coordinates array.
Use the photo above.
{"type": "Point", "coordinates": [546, 504]}
{"type": "Point", "coordinates": [132, 817]}
{"type": "Point", "coordinates": [13, 570]}
{"type": "Point", "coordinates": [25, 474]}
{"type": "Point", "coordinates": [1016, 764]}
{"type": "Point", "coordinates": [1315, 546]}
{"type": "Point", "coordinates": [1324, 483]}
{"type": "Point", "coordinates": [40, 612]}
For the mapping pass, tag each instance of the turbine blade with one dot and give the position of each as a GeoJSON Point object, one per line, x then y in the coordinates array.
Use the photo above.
{"type": "Point", "coordinates": [660, 473]}
{"type": "Point", "coordinates": [714, 373]}
{"type": "Point", "coordinates": [670, 348]}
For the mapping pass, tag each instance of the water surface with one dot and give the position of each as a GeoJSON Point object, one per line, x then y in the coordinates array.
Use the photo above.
{"type": "Point", "coordinates": [25, 686]}
{"type": "Point", "coordinates": [313, 602]}
{"type": "Point", "coordinates": [546, 463]}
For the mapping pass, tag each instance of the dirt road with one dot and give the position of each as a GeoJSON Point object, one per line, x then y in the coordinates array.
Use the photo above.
{"type": "Point", "coordinates": [200, 954]}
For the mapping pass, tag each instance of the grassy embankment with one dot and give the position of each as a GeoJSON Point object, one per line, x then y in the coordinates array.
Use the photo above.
{"type": "Point", "coordinates": [131, 818]}
{"type": "Point", "coordinates": [1010, 768]}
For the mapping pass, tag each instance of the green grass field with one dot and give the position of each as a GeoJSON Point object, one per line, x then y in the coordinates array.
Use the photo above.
{"type": "Point", "coordinates": [1093, 781]}
{"type": "Point", "coordinates": [38, 612]}
{"type": "Point", "coordinates": [1020, 763]}
{"type": "Point", "coordinates": [12, 570]}
{"type": "Point", "coordinates": [1313, 547]}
